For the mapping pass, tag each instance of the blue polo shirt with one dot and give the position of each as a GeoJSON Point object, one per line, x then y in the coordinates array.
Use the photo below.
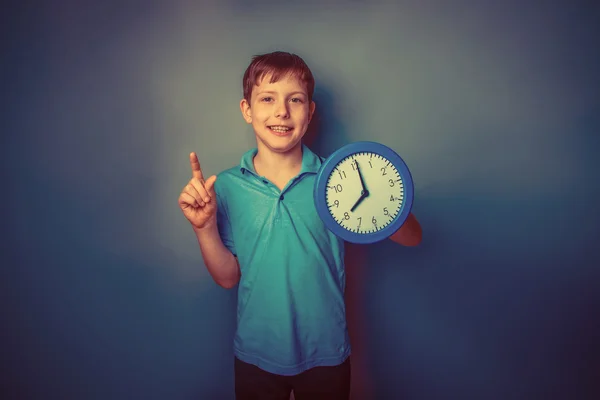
{"type": "Point", "coordinates": [291, 314]}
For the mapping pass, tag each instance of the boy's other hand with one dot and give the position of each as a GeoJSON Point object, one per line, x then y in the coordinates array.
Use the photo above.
{"type": "Point", "coordinates": [198, 200]}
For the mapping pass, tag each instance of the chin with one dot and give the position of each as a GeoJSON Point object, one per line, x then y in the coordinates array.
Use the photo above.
{"type": "Point", "coordinates": [281, 144]}
{"type": "Point", "coordinates": [284, 148]}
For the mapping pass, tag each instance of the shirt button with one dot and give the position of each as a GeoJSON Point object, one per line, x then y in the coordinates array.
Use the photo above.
{"type": "Point", "coordinates": [281, 197]}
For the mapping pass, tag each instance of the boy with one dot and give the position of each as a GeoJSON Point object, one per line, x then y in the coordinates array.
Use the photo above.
{"type": "Point", "coordinates": [257, 226]}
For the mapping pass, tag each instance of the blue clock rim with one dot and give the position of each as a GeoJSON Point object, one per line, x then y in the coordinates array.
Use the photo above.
{"type": "Point", "coordinates": [321, 185]}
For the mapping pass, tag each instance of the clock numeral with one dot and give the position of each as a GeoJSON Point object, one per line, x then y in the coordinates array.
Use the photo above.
{"type": "Point", "coordinates": [342, 174]}
{"type": "Point", "coordinates": [336, 203]}
{"type": "Point", "coordinates": [391, 181]}
{"type": "Point", "coordinates": [371, 165]}
{"type": "Point", "coordinates": [359, 221]}
{"type": "Point", "coordinates": [354, 165]}
{"type": "Point", "coordinates": [338, 188]}
{"type": "Point", "coordinates": [392, 198]}
{"type": "Point", "coordinates": [383, 171]}
{"type": "Point", "coordinates": [385, 211]}
{"type": "Point", "coordinates": [374, 221]}
{"type": "Point", "coordinates": [346, 216]}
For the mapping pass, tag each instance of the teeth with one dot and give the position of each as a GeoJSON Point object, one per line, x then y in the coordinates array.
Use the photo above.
{"type": "Point", "coordinates": [280, 128]}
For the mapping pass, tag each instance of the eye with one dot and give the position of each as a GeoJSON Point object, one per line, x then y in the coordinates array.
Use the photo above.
{"type": "Point", "coordinates": [296, 100]}
{"type": "Point", "coordinates": [267, 99]}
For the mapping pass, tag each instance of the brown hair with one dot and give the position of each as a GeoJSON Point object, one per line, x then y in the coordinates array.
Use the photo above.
{"type": "Point", "coordinates": [278, 64]}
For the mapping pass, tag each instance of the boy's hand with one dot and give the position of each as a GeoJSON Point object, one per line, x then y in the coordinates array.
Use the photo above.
{"type": "Point", "coordinates": [198, 200]}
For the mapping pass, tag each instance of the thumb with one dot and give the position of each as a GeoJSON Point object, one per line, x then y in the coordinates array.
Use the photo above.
{"type": "Point", "coordinates": [209, 184]}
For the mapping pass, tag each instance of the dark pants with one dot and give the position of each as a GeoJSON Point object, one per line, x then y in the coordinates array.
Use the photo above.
{"type": "Point", "coordinates": [330, 383]}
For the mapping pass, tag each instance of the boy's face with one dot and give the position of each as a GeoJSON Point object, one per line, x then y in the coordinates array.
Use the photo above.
{"type": "Point", "coordinates": [279, 112]}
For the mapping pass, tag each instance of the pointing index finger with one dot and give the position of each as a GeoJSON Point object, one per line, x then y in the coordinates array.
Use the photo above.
{"type": "Point", "coordinates": [196, 171]}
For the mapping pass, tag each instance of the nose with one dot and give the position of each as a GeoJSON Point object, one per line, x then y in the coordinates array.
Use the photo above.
{"type": "Point", "coordinates": [281, 110]}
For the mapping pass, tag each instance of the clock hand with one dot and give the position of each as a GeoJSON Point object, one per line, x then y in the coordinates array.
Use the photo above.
{"type": "Point", "coordinates": [363, 194]}
{"type": "Point", "coordinates": [362, 181]}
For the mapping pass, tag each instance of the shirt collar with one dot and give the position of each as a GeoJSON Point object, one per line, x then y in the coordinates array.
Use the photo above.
{"type": "Point", "coordinates": [310, 161]}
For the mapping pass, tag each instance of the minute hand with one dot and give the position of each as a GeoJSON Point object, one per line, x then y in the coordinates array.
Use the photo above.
{"type": "Point", "coordinates": [364, 193]}
{"type": "Point", "coordinates": [362, 181]}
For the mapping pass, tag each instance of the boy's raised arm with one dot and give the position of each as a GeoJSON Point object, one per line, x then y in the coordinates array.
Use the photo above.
{"type": "Point", "coordinates": [222, 265]}
{"type": "Point", "coordinates": [198, 202]}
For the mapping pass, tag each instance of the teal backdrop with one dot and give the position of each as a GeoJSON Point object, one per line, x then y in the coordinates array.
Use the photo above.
{"type": "Point", "coordinates": [494, 106]}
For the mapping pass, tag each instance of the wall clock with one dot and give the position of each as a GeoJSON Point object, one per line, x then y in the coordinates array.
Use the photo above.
{"type": "Point", "coordinates": [363, 192]}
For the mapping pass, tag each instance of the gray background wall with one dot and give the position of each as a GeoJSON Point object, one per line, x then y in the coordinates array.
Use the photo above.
{"type": "Point", "coordinates": [493, 105]}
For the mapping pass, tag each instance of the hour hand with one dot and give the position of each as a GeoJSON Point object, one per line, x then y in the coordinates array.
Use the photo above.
{"type": "Point", "coordinates": [363, 194]}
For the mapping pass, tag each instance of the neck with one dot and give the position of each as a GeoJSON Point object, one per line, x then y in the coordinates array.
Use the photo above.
{"type": "Point", "coordinates": [286, 162]}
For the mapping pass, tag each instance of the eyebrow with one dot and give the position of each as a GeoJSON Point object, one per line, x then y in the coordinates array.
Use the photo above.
{"type": "Point", "coordinates": [289, 94]}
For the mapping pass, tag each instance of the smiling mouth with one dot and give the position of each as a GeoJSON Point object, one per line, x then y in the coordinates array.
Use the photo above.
{"type": "Point", "coordinates": [279, 129]}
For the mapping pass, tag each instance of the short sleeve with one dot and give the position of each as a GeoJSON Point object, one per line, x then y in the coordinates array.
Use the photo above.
{"type": "Point", "coordinates": [224, 225]}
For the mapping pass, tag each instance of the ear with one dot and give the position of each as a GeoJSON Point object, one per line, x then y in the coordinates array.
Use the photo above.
{"type": "Point", "coordinates": [311, 110]}
{"type": "Point", "coordinates": [246, 110]}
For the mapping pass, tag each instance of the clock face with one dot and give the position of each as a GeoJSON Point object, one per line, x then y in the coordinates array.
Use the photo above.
{"type": "Point", "coordinates": [364, 192]}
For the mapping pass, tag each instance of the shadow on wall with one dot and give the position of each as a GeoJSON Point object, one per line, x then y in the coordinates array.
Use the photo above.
{"type": "Point", "coordinates": [443, 319]}
{"type": "Point", "coordinates": [326, 133]}
{"type": "Point", "coordinates": [93, 307]}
